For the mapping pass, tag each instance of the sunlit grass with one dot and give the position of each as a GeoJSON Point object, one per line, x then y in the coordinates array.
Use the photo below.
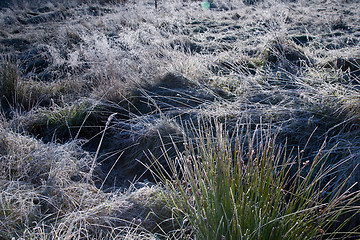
{"type": "Point", "coordinates": [243, 185]}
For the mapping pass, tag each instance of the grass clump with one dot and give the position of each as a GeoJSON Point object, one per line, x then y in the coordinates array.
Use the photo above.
{"type": "Point", "coordinates": [287, 53]}
{"type": "Point", "coordinates": [243, 185]}
{"type": "Point", "coordinates": [67, 122]}
{"type": "Point", "coordinates": [9, 80]}
{"type": "Point", "coordinates": [19, 207]}
{"type": "Point", "coordinates": [48, 193]}
{"type": "Point", "coordinates": [25, 93]}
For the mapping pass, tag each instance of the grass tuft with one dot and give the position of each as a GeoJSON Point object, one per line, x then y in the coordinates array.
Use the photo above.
{"type": "Point", "coordinates": [68, 122]}
{"type": "Point", "coordinates": [242, 185]}
{"type": "Point", "coordinates": [9, 81]}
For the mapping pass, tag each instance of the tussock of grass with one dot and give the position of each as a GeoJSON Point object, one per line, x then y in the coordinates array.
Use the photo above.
{"type": "Point", "coordinates": [66, 122]}
{"type": "Point", "coordinates": [242, 185]}
{"type": "Point", "coordinates": [19, 208]}
{"type": "Point", "coordinates": [24, 93]}
{"type": "Point", "coordinates": [9, 79]}
{"type": "Point", "coordinates": [26, 159]}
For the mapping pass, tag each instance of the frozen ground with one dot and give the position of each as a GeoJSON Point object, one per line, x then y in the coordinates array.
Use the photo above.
{"type": "Point", "coordinates": [293, 66]}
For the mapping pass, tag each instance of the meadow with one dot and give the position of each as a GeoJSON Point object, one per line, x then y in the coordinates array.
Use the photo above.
{"type": "Point", "coordinates": [126, 120]}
